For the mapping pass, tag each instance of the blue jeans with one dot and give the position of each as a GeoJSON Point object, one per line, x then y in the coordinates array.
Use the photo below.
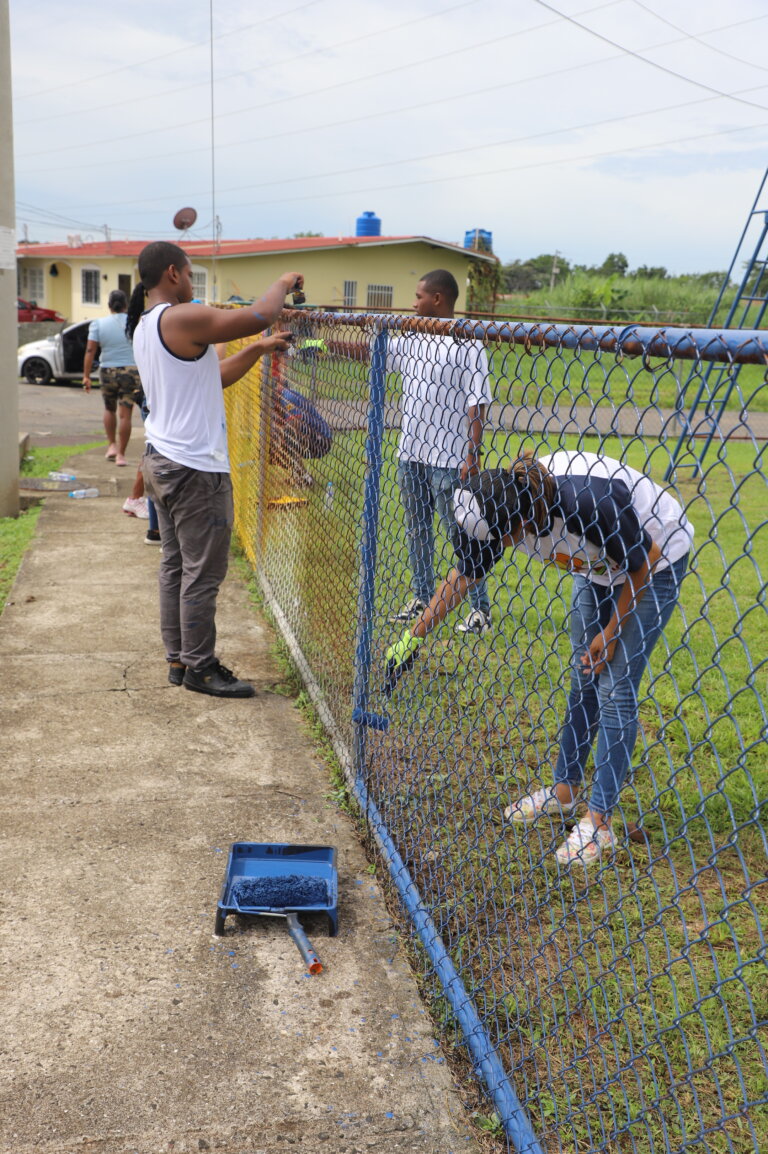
{"type": "Point", "coordinates": [154, 524]}
{"type": "Point", "coordinates": [424, 489]}
{"type": "Point", "coordinates": [606, 705]}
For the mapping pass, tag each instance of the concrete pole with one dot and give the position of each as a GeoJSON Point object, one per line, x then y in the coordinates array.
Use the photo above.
{"type": "Point", "coordinates": [9, 389]}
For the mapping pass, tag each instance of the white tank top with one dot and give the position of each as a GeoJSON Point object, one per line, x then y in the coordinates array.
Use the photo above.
{"type": "Point", "coordinates": [186, 421]}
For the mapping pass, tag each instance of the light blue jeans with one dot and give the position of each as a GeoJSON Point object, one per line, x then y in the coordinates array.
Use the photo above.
{"type": "Point", "coordinates": [606, 705]}
{"type": "Point", "coordinates": [425, 489]}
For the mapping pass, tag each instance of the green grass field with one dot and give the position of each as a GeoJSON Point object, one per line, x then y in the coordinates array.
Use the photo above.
{"type": "Point", "coordinates": [678, 301]}
{"type": "Point", "coordinates": [624, 1008]}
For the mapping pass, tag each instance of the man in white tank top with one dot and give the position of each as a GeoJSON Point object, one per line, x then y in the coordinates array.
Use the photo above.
{"type": "Point", "coordinates": [186, 465]}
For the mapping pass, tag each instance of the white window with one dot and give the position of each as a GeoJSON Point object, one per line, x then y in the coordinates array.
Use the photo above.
{"type": "Point", "coordinates": [380, 296]}
{"type": "Point", "coordinates": [35, 287]}
{"type": "Point", "coordinates": [91, 286]}
{"type": "Point", "coordinates": [350, 294]}
{"type": "Point", "coordinates": [200, 283]}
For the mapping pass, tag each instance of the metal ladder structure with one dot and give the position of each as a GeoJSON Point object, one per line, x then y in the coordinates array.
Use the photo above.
{"type": "Point", "coordinates": [717, 382]}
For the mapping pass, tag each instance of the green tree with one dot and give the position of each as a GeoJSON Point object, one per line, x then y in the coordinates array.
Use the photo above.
{"type": "Point", "coordinates": [615, 264]}
{"type": "Point", "coordinates": [650, 272]}
{"type": "Point", "coordinates": [711, 280]}
{"type": "Point", "coordinates": [519, 277]}
{"type": "Point", "coordinates": [523, 276]}
{"type": "Point", "coordinates": [483, 287]}
{"type": "Point", "coordinates": [297, 235]}
{"type": "Point", "coordinates": [594, 293]}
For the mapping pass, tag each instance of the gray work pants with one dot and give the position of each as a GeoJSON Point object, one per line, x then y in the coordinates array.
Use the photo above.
{"type": "Point", "coordinates": [195, 514]}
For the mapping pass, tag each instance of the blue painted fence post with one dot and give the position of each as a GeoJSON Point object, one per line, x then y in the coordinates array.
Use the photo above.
{"type": "Point", "coordinates": [368, 548]}
{"type": "Point", "coordinates": [488, 1064]}
{"type": "Point", "coordinates": [514, 1120]}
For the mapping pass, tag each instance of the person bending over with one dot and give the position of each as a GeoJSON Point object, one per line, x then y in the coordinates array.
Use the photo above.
{"type": "Point", "coordinates": [186, 464]}
{"type": "Point", "coordinates": [626, 542]}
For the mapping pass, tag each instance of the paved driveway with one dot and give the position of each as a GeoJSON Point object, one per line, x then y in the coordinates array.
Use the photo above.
{"type": "Point", "coordinates": [61, 414]}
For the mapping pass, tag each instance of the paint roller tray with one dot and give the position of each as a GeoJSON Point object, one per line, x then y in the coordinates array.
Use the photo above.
{"type": "Point", "coordinates": [264, 878]}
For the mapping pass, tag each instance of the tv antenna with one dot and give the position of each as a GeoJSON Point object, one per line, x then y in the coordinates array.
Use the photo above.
{"type": "Point", "coordinates": [184, 219]}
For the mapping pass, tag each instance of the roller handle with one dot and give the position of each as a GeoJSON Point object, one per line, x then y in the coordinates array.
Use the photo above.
{"type": "Point", "coordinates": [314, 965]}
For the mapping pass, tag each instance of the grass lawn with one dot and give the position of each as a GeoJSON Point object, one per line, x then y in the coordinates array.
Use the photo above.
{"type": "Point", "coordinates": [543, 379]}
{"type": "Point", "coordinates": [624, 1009]}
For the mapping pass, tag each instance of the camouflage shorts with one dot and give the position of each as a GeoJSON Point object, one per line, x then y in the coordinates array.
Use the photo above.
{"type": "Point", "coordinates": [123, 385]}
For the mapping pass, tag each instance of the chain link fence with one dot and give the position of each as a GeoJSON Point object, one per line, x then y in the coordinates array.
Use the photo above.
{"type": "Point", "coordinates": [620, 1008]}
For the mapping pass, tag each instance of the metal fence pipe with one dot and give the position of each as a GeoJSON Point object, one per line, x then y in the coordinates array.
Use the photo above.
{"type": "Point", "coordinates": [511, 1114]}
{"type": "Point", "coordinates": [747, 346]}
{"type": "Point", "coordinates": [369, 541]}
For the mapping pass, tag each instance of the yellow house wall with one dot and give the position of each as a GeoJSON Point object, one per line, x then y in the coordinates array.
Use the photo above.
{"type": "Point", "coordinates": [58, 289]}
{"type": "Point", "coordinates": [64, 292]}
{"type": "Point", "coordinates": [52, 296]}
{"type": "Point", "coordinates": [399, 265]}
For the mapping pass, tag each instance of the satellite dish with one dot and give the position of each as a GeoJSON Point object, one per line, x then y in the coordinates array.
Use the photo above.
{"type": "Point", "coordinates": [184, 218]}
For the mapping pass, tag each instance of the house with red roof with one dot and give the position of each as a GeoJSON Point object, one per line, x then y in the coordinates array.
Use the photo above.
{"type": "Point", "coordinates": [370, 273]}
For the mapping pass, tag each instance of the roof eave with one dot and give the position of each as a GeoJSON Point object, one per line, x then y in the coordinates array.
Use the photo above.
{"type": "Point", "coordinates": [197, 250]}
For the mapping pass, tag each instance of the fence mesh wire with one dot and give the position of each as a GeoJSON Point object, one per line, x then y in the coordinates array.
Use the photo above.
{"type": "Point", "coordinates": [625, 1005]}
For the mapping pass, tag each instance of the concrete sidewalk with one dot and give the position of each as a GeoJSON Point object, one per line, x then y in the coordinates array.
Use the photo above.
{"type": "Point", "coordinates": [127, 1027]}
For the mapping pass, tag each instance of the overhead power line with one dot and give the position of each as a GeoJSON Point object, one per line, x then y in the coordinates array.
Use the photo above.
{"type": "Point", "coordinates": [469, 148]}
{"type": "Point", "coordinates": [461, 50]}
{"type": "Point", "coordinates": [620, 50]}
{"type": "Point", "coordinates": [699, 39]}
{"type": "Point", "coordinates": [264, 66]}
{"type": "Point", "coordinates": [644, 59]}
{"type": "Point", "coordinates": [281, 15]}
{"type": "Point", "coordinates": [464, 176]}
{"type": "Point", "coordinates": [571, 160]}
{"type": "Point", "coordinates": [33, 214]}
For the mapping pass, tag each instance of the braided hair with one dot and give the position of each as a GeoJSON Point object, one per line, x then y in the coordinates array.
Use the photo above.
{"type": "Point", "coordinates": [498, 503]}
{"type": "Point", "coordinates": [154, 259]}
{"type": "Point", "coordinates": [536, 485]}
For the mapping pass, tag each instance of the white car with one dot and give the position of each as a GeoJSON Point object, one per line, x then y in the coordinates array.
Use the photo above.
{"type": "Point", "coordinates": [56, 358]}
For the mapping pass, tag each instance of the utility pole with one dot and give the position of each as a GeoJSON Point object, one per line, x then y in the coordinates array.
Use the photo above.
{"type": "Point", "coordinates": [216, 247]}
{"type": "Point", "coordinates": [9, 389]}
{"type": "Point", "coordinates": [555, 270]}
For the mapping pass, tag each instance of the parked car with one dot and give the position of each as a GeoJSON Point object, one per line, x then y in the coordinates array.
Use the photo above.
{"type": "Point", "coordinates": [31, 311]}
{"type": "Point", "coordinates": [59, 357]}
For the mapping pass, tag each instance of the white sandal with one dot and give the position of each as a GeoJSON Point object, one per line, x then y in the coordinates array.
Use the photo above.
{"type": "Point", "coordinates": [541, 801]}
{"type": "Point", "coordinates": [586, 843]}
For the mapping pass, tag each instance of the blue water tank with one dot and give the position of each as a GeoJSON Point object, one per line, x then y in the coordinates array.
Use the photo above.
{"type": "Point", "coordinates": [479, 240]}
{"type": "Point", "coordinates": [369, 224]}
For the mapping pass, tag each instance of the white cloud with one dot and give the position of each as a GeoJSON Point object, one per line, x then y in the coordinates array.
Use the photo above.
{"type": "Point", "coordinates": [483, 114]}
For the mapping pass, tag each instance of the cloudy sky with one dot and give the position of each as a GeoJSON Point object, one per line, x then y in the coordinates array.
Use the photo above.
{"type": "Point", "coordinates": [581, 126]}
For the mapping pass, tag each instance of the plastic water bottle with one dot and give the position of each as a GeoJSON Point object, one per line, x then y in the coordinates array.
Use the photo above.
{"type": "Point", "coordinates": [84, 493]}
{"type": "Point", "coordinates": [62, 477]}
{"type": "Point", "coordinates": [329, 495]}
